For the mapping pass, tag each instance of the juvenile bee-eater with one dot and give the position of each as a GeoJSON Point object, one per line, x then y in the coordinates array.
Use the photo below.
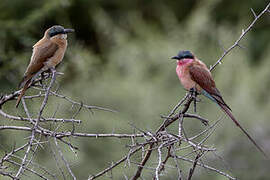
{"type": "Point", "coordinates": [194, 75]}
{"type": "Point", "coordinates": [47, 53]}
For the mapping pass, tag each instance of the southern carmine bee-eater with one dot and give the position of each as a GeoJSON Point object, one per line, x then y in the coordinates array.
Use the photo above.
{"type": "Point", "coordinates": [47, 53]}
{"type": "Point", "coordinates": [195, 76]}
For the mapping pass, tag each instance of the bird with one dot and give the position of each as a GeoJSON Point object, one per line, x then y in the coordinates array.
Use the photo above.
{"type": "Point", "coordinates": [47, 53]}
{"type": "Point", "coordinates": [195, 76]}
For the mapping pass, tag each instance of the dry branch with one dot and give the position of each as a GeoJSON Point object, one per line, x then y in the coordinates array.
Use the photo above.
{"type": "Point", "coordinates": [244, 32]}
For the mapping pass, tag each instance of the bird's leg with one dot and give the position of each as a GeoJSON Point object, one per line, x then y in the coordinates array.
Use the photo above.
{"type": "Point", "coordinates": [53, 71]}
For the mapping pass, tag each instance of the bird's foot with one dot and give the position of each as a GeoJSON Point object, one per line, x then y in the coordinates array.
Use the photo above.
{"type": "Point", "coordinates": [42, 76]}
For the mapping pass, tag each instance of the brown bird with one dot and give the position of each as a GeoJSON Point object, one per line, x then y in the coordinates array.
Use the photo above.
{"type": "Point", "coordinates": [47, 53]}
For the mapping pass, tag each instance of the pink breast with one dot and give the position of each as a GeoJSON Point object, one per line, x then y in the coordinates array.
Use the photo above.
{"type": "Point", "coordinates": [181, 67]}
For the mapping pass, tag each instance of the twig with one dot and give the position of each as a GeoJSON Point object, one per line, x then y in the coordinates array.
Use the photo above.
{"type": "Point", "coordinates": [143, 162]}
{"type": "Point", "coordinates": [27, 169]}
{"type": "Point", "coordinates": [67, 134]}
{"type": "Point", "coordinates": [166, 123]}
{"type": "Point", "coordinates": [39, 166]}
{"type": "Point", "coordinates": [13, 95]}
{"type": "Point", "coordinates": [178, 105]}
{"type": "Point", "coordinates": [159, 161]}
{"type": "Point", "coordinates": [8, 175]}
{"type": "Point", "coordinates": [91, 177]}
{"type": "Point", "coordinates": [206, 167]}
{"type": "Point", "coordinates": [162, 167]}
{"type": "Point", "coordinates": [176, 163]}
{"type": "Point", "coordinates": [56, 160]}
{"type": "Point", "coordinates": [180, 125]}
{"type": "Point", "coordinates": [60, 120]}
{"type": "Point", "coordinates": [64, 160]}
{"type": "Point", "coordinates": [11, 153]}
{"type": "Point", "coordinates": [191, 171]}
{"type": "Point", "coordinates": [81, 104]}
{"type": "Point", "coordinates": [244, 32]}
{"type": "Point", "coordinates": [36, 124]}
{"type": "Point", "coordinates": [195, 116]}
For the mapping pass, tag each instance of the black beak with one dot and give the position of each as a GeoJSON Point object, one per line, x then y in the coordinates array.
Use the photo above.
{"type": "Point", "coordinates": [175, 57]}
{"type": "Point", "coordinates": [68, 31]}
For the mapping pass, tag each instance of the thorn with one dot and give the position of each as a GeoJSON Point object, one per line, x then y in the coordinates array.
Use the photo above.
{"type": "Point", "coordinates": [59, 73]}
{"type": "Point", "coordinates": [241, 46]}
{"type": "Point", "coordinates": [253, 12]}
{"type": "Point", "coordinates": [243, 31]}
{"type": "Point", "coordinates": [219, 62]}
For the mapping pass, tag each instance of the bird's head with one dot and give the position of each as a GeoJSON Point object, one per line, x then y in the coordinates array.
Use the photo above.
{"type": "Point", "coordinates": [184, 55]}
{"type": "Point", "coordinates": [57, 31]}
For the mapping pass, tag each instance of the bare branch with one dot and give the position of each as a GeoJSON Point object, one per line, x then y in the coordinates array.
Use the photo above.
{"type": "Point", "coordinates": [36, 125]}
{"type": "Point", "coordinates": [206, 166]}
{"type": "Point", "coordinates": [244, 32]}
{"type": "Point", "coordinates": [27, 169]}
{"type": "Point", "coordinates": [11, 153]}
{"type": "Point", "coordinates": [159, 161]}
{"type": "Point", "coordinates": [194, 166]}
{"type": "Point", "coordinates": [56, 160]}
{"type": "Point", "coordinates": [8, 175]}
{"type": "Point", "coordinates": [113, 165]}
{"type": "Point", "coordinates": [60, 120]}
{"type": "Point", "coordinates": [64, 160]}
{"type": "Point", "coordinates": [253, 12]}
{"type": "Point", "coordinates": [81, 104]}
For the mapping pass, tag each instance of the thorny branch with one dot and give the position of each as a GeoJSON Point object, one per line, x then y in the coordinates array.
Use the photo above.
{"type": "Point", "coordinates": [244, 32]}
{"type": "Point", "coordinates": [149, 142]}
{"type": "Point", "coordinates": [38, 130]}
{"type": "Point", "coordinates": [191, 171]}
{"type": "Point", "coordinates": [21, 169]}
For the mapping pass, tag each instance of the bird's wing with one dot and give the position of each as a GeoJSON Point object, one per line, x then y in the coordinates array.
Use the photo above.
{"type": "Point", "coordinates": [204, 78]}
{"type": "Point", "coordinates": [42, 51]}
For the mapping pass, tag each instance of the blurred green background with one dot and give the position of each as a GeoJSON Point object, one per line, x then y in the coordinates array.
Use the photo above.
{"type": "Point", "coordinates": [119, 57]}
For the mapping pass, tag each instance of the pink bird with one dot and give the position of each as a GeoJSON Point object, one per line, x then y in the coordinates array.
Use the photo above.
{"type": "Point", "coordinates": [195, 76]}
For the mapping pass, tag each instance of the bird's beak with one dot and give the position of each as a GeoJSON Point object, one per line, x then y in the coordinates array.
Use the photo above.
{"type": "Point", "coordinates": [175, 57]}
{"type": "Point", "coordinates": [68, 31]}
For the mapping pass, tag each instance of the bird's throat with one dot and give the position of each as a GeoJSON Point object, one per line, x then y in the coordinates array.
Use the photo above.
{"type": "Point", "coordinates": [184, 62]}
{"type": "Point", "coordinates": [181, 67]}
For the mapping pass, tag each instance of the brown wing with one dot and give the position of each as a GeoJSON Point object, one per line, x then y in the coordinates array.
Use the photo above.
{"type": "Point", "coordinates": [204, 78]}
{"type": "Point", "coordinates": [42, 51]}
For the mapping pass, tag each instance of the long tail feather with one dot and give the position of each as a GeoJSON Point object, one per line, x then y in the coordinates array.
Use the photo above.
{"type": "Point", "coordinates": [22, 93]}
{"type": "Point", "coordinates": [227, 110]}
{"type": "Point", "coordinates": [229, 113]}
